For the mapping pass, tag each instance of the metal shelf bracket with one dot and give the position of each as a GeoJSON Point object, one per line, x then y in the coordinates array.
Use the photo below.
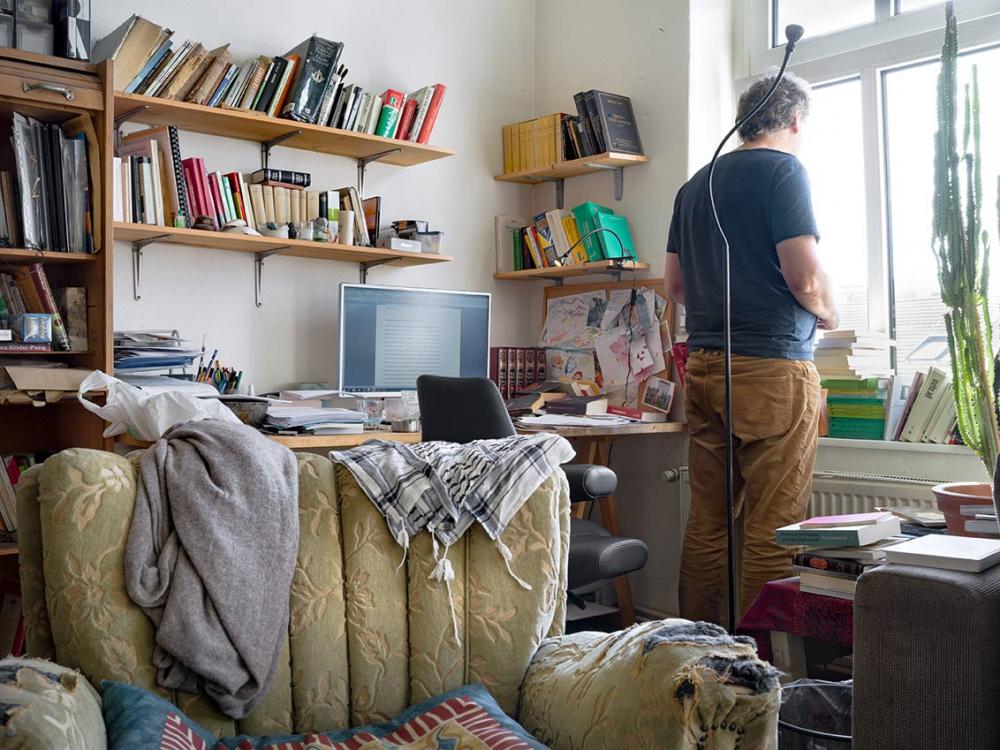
{"type": "Point", "coordinates": [137, 246]}
{"type": "Point", "coordinates": [258, 272]}
{"type": "Point", "coordinates": [363, 163]}
{"type": "Point", "coordinates": [363, 268]}
{"type": "Point", "coordinates": [619, 177]}
{"type": "Point", "coordinates": [122, 119]}
{"type": "Point", "coordinates": [266, 146]}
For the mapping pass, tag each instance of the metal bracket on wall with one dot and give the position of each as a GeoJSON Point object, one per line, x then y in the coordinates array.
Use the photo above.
{"type": "Point", "coordinates": [122, 119]}
{"type": "Point", "coordinates": [266, 146]}
{"type": "Point", "coordinates": [363, 268]}
{"type": "Point", "coordinates": [137, 246]}
{"type": "Point", "coordinates": [363, 163]}
{"type": "Point", "coordinates": [619, 177]}
{"type": "Point", "coordinates": [258, 272]}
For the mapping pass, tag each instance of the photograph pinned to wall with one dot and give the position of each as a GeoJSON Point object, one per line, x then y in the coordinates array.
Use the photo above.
{"type": "Point", "coordinates": [659, 394]}
{"type": "Point", "coordinates": [569, 363]}
{"type": "Point", "coordinates": [572, 322]}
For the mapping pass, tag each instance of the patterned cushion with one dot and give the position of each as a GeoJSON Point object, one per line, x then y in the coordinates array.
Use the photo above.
{"type": "Point", "coordinates": [464, 719]}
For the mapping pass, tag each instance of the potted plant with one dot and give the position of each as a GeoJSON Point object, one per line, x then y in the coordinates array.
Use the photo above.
{"type": "Point", "coordinates": [961, 245]}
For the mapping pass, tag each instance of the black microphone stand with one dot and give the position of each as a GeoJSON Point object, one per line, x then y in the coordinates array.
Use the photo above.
{"type": "Point", "coordinates": [792, 33]}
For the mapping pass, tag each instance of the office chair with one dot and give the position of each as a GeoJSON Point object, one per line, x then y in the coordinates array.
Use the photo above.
{"type": "Point", "coordinates": [460, 410]}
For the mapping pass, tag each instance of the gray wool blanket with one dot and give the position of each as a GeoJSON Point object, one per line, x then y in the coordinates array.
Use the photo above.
{"type": "Point", "coordinates": [210, 558]}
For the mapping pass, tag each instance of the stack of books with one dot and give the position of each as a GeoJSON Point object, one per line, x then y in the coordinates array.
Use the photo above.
{"type": "Point", "coordinates": [857, 408]}
{"type": "Point", "coordinates": [514, 368]}
{"type": "Point", "coordinates": [306, 84]}
{"type": "Point", "coordinates": [553, 238]}
{"type": "Point", "coordinates": [840, 549]}
{"type": "Point", "coordinates": [852, 354]}
{"type": "Point", "coordinates": [303, 420]}
{"type": "Point", "coordinates": [604, 123]}
{"type": "Point", "coordinates": [947, 553]}
{"type": "Point", "coordinates": [922, 410]}
{"type": "Point", "coordinates": [26, 289]}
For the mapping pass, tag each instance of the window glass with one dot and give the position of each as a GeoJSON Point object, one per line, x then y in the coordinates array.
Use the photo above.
{"type": "Point", "coordinates": [833, 154]}
{"type": "Point", "coordinates": [911, 121]}
{"type": "Point", "coordinates": [902, 6]}
{"type": "Point", "coordinates": [820, 17]}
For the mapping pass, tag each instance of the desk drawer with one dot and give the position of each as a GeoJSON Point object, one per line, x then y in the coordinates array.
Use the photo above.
{"type": "Point", "coordinates": [44, 87]}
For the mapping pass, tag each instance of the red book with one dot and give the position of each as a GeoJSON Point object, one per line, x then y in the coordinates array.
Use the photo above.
{"type": "Point", "coordinates": [195, 188]}
{"type": "Point", "coordinates": [206, 186]}
{"type": "Point", "coordinates": [432, 113]}
{"type": "Point", "coordinates": [59, 336]}
{"type": "Point", "coordinates": [406, 119]}
{"type": "Point", "coordinates": [218, 212]}
{"type": "Point", "coordinates": [10, 464]}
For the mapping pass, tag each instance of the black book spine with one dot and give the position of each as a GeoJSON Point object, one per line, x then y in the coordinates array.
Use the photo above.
{"type": "Point", "coordinates": [270, 86]}
{"type": "Point", "coordinates": [590, 101]}
{"type": "Point", "coordinates": [183, 204]}
{"type": "Point", "coordinates": [583, 124]}
{"type": "Point", "coordinates": [617, 122]}
{"type": "Point", "coordinates": [832, 565]}
{"type": "Point", "coordinates": [136, 197]}
{"type": "Point", "coordinates": [318, 63]}
{"type": "Point", "coordinates": [59, 201]}
{"type": "Point", "coordinates": [288, 176]}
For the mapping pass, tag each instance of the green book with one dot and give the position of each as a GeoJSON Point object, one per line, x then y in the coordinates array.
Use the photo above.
{"type": "Point", "coordinates": [868, 384]}
{"type": "Point", "coordinates": [387, 121]}
{"type": "Point", "coordinates": [518, 257]}
{"type": "Point", "coordinates": [586, 221]}
{"type": "Point", "coordinates": [609, 245]}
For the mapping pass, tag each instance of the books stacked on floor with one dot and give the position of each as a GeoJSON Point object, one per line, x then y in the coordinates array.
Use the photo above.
{"type": "Point", "coordinates": [306, 84]}
{"type": "Point", "coordinates": [25, 294]}
{"type": "Point", "coordinates": [151, 350]}
{"type": "Point", "coordinates": [857, 408]}
{"type": "Point", "coordinates": [604, 123]}
{"type": "Point", "coordinates": [923, 409]}
{"type": "Point", "coordinates": [553, 238]}
{"type": "Point", "coordinates": [514, 368]}
{"type": "Point", "coordinates": [302, 420]}
{"type": "Point", "coordinates": [46, 203]}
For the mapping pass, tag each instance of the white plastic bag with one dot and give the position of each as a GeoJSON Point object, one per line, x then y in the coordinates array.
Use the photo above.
{"type": "Point", "coordinates": [146, 416]}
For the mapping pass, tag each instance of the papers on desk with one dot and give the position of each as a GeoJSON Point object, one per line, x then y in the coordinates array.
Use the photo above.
{"type": "Point", "coordinates": [154, 384]}
{"type": "Point", "coordinates": [151, 350]}
{"type": "Point", "coordinates": [568, 420]}
{"type": "Point", "coordinates": [291, 417]}
{"type": "Point", "coordinates": [309, 395]}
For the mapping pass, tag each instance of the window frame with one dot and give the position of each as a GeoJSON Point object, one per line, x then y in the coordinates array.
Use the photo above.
{"type": "Point", "coordinates": [867, 52]}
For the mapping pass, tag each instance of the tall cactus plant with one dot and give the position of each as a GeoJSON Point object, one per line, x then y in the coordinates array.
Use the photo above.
{"type": "Point", "coordinates": [961, 245]}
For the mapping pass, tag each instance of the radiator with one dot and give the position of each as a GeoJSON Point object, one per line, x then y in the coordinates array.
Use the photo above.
{"type": "Point", "coordinates": [837, 493]}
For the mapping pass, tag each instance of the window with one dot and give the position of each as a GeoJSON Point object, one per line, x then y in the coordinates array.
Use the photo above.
{"type": "Point", "coordinates": [910, 100]}
{"type": "Point", "coordinates": [837, 177]}
{"type": "Point", "coordinates": [820, 17]}
{"type": "Point", "coordinates": [904, 6]}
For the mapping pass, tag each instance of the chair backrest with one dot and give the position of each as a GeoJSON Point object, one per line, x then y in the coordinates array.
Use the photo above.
{"type": "Point", "coordinates": [366, 637]}
{"type": "Point", "coordinates": [460, 410]}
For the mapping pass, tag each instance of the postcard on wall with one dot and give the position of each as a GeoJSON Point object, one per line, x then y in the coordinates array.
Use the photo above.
{"type": "Point", "coordinates": [572, 322]}
{"type": "Point", "coordinates": [567, 363]}
{"type": "Point", "coordinates": [659, 394]}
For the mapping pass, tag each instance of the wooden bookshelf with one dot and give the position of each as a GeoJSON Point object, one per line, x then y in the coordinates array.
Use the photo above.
{"type": "Point", "coordinates": [578, 269]}
{"type": "Point", "coordinates": [251, 244]}
{"type": "Point", "coordinates": [22, 255]}
{"type": "Point", "coordinates": [254, 126]}
{"type": "Point", "coordinates": [573, 168]}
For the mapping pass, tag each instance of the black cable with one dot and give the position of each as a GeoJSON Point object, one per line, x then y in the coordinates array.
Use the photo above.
{"type": "Point", "coordinates": [727, 344]}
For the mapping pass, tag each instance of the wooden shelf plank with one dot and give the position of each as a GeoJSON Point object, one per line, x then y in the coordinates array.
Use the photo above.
{"type": "Point", "coordinates": [53, 353]}
{"type": "Point", "coordinates": [11, 550]}
{"type": "Point", "coordinates": [572, 168]}
{"type": "Point", "coordinates": [24, 255]}
{"type": "Point", "coordinates": [577, 269]}
{"type": "Point", "coordinates": [254, 126]}
{"type": "Point", "coordinates": [251, 244]}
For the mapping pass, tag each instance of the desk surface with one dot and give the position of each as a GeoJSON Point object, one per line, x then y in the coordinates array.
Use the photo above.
{"type": "Point", "coordinates": [610, 431]}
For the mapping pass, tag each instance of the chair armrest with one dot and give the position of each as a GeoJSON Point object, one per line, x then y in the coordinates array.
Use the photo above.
{"type": "Point", "coordinates": [48, 706]}
{"type": "Point", "coordinates": [589, 482]}
{"type": "Point", "coordinates": [665, 684]}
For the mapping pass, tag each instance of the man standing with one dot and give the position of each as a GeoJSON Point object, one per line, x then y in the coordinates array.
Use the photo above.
{"type": "Point", "coordinates": [779, 293]}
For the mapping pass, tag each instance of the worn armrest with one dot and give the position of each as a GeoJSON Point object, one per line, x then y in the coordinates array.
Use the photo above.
{"type": "Point", "coordinates": [589, 482]}
{"type": "Point", "coordinates": [46, 706]}
{"type": "Point", "coordinates": [664, 684]}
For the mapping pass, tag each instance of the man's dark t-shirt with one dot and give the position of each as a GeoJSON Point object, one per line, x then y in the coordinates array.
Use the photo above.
{"type": "Point", "coordinates": [763, 198]}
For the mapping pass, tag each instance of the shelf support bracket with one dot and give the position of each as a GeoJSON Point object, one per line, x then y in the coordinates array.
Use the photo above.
{"type": "Point", "coordinates": [619, 177]}
{"type": "Point", "coordinates": [559, 183]}
{"type": "Point", "coordinates": [363, 268]}
{"type": "Point", "coordinates": [122, 119]}
{"type": "Point", "coordinates": [266, 146]}
{"type": "Point", "coordinates": [137, 246]}
{"type": "Point", "coordinates": [258, 272]}
{"type": "Point", "coordinates": [363, 163]}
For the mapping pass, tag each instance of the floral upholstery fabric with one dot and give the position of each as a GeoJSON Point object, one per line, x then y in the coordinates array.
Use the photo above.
{"type": "Point", "coordinates": [369, 633]}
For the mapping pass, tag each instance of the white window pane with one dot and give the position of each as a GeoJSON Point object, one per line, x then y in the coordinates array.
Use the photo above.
{"type": "Point", "coordinates": [911, 121]}
{"type": "Point", "coordinates": [833, 154]}
{"type": "Point", "coordinates": [822, 17]}
{"type": "Point", "coordinates": [902, 6]}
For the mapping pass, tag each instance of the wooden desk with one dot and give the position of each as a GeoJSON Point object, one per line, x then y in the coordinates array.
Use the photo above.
{"type": "Point", "coordinates": [593, 445]}
{"type": "Point", "coordinates": [315, 442]}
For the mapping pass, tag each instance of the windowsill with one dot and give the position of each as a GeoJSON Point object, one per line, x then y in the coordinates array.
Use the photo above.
{"type": "Point", "coordinates": [889, 445]}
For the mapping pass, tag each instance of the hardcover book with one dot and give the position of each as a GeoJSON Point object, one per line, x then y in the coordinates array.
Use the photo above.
{"type": "Point", "coordinates": [616, 121]}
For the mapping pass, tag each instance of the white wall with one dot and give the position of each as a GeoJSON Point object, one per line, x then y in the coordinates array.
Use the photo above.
{"type": "Point", "coordinates": [482, 50]}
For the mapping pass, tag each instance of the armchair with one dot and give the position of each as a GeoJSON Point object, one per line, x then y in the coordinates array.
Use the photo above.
{"type": "Point", "coordinates": [366, 640]}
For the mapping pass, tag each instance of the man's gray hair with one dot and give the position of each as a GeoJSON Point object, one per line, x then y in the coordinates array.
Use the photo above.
{"type": "Point", "coordinates": [791, 96]}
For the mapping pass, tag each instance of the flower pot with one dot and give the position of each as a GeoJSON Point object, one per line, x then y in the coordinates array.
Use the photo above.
{"type": "Point", "coordinates": [960, 501]}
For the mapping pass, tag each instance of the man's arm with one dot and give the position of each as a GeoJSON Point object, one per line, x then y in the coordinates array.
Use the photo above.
{"type": "Point", "coordinates": [673, 279]}
{"type": "Point", "coordinates": [807, 280]}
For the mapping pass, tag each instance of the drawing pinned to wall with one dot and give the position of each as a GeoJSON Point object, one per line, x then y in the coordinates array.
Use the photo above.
{"type": "Point", "coordinates": [572, 322]}
{"type": "Point", "coordinates": [567, 363]}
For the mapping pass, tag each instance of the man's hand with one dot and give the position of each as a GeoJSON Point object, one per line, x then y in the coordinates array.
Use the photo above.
{"type": "Point", "coordinates": [831, 323]}
{"type": "Point", "coordinates": [806, 279]}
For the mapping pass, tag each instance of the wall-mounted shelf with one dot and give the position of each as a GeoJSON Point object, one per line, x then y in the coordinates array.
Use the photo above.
{"type": "Point", "coordinates": [559, 171]}
{"type": "Point", "coordinates": [23, 255]}
{"type": "Point", "coordinates": [53, 353]}
{"type": "Point", "coordinates": [143, 235]}
{"type": "Point", "coordinates": [558, 274]}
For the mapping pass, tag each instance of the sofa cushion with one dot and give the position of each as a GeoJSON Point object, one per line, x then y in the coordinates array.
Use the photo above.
{"type": "Point", "coordinates": [463, 719]}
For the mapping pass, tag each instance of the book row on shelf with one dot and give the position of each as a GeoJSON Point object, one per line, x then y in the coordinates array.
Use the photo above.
{"type": "Point", "coordinates": [14, 465]}
{"type": "Point", "coordinates": [604, 123]}
{"type": "Point", "coordinates": [34, 317]}
{"type": "Point", "coordinates": [306, 84]}
{"type": "Point", "coordinates": [866, 401]}
{"type": "Point", "coordinates": [553, 238]}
